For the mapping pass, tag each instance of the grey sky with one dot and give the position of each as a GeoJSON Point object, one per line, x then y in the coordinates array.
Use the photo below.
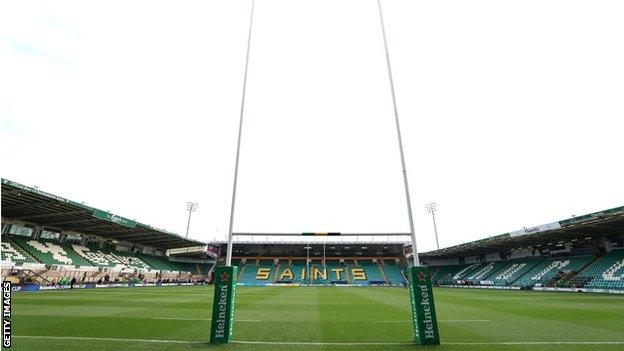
{"type": "Point", "coordinates": [511, 111]}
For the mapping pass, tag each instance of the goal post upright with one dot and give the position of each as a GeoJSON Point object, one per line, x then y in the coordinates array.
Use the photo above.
{"type": "Point", "coordinates": [399, 138]}
{"type": "Point", "coordinates": [222, 321]}
{"type": "Point", "coordinates": [425, 324]}
{"type": "Point", "coordinates": [421, 293]}
{"type": "Point", "coordinates": [228, 258]}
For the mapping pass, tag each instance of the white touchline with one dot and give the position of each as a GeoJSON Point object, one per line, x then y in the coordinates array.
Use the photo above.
{"type": "Point", "coordinates": [463, 320]}
{"type": "Point", "coordinates": [442, 321]}
{"type": "Point", "coordinates": [107, 339]}
{"type": "Point", "coordinates": [317, 343]}
{"type": "Point", "coordinates": [206, 319]}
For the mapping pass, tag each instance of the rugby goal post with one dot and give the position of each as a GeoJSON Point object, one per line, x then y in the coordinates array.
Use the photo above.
{"type": "Point", "coordinates": [421, 293]}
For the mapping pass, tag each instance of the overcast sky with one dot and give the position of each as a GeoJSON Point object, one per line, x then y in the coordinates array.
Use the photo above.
{"type": "Point", "coordinates": [512, 111]}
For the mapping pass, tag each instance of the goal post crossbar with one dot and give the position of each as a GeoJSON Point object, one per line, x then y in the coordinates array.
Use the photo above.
{"type": "Point", "coordinates": [321, 234]}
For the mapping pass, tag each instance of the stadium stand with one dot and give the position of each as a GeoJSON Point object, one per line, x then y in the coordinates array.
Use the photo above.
{"type": "Point", "coordinates": [606, 272]}
{"type": "Point", "coordinates": [584, 252]}
{"type": "Point", "coordinates": [12, 253]}
{"type": "Point", "coordinates": [394, 273]}
{"type": "Point", "coordinates": [45, 251]}
{"type": "Point", "coordinates": [549, 268]}
{"type": "Point", "coordinates": [372, 271]}
{"type": "Point", "coordinates": [512, 271]}
{"type": "Point", "coordinates": [47, 239]}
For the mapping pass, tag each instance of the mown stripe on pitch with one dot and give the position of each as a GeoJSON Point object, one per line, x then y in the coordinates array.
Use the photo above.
{"type": "Point", "coordinates": [303, 343]}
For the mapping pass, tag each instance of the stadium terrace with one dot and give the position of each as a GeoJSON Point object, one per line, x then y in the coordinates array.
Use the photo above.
{"type": "Point", "coordinates": [47, 240]}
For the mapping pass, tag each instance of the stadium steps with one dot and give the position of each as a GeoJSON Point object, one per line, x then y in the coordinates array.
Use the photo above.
{"type": "Point", "coordinates": [277, 270]}
{"type": "Point", "coordinates": [240, 272]}
{"type": "Point", "coordinates": [566, 281]}
{"type": "Point", "coordinates": [394, 273]}
{"type": "Point", "coordinates": [383, 273]}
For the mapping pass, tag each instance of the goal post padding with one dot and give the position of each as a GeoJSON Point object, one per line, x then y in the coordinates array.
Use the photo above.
{"type": "Point", "coordinates": [423, 307]}
{"type": "Point", "coordinates": [222, 322]}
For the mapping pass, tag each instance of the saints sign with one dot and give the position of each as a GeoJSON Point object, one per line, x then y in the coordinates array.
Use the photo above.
{"type": "Point", "coordinates": [223, 305]}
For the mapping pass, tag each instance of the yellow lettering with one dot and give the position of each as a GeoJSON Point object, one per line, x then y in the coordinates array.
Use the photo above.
{"type": "Point", "coordinates": [358, 274]}
{"type": "Point", "coordinates": [338, 272]}
{"type": "Point", "coordinates": [322, 274]}
{"type": "Point", "coordinates": [287, 273]}
{"type": "Point", "coordinates": [263, 273]}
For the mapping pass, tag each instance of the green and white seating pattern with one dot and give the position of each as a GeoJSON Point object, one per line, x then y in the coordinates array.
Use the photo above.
{"type": "Point", "coordinates": [615, 272]}
{"type": "Point", "coordinates": [485, 271]}
{"type": "Point", "coordinates": [510, 271]}
{"type": "Point", "coordinates": [98, 258]}
{"type": "Point", "coordinates": [12, 254]}
{"type": "Point", "coordinates": [465, 271]}
{"type": "Point", "coordinates": [443, 274]}
{"type": "Point", "coordinates": [548, 269]}
{"type": "Point", "coordinates": [515, 270]}
{"type": "Point", "coordinates": [131, 261]}
{"type": "Point", "coordinates": [58, 253]}
{"type": "Point", "coordinates": [607, 272]}
{"type": "Point", "coordinates": [552, 266]}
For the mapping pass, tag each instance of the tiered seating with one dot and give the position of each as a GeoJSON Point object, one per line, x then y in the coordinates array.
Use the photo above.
{"type": "Point", "coordinates": [549, 268]}
{"type": "Point", "coordinates": [464, 271]}
{"type": "Point", "coordinates": [156, 262]}
{"type": "Point", "coordinates": [484, 271]}
{"type": "Point", "coordinates": [444, 274]}
{"type": "Point", "coordinates": [512, 270]}
{"type": "Point", "coordinates": [131, 261]}
{"type": "Point", "coordinates": [393, 272]}
{"type": "Point", "coordinates": [14, 254]}
{"type": "Point", "coordinates": [296, 267]}
{"type": "Point", "coordinates": [336, 272]}
{"type": "Point", "coordinates": [260, 274]}
{"type": "Point", "coordinates": [97, 257]}
{"type": "Point", "coordinates": [319, 277]}
{"type": "Point", "coordinates": [607, 272]}
{"type": "Point", "coordinates": [332, 276]}
{"type": "Point", "coordinates": [48, 252]}
{"type": "Point", "coordinates": [184, 267]}
{"type": "Point", "coordinates": [372, 271]}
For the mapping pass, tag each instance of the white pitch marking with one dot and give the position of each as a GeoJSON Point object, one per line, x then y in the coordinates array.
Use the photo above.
{"type": "Point", "coordinates": [319, 343]}
{"type": "Point", "coordinates": [463, 320]}
{"type": "Point", "coordinates": [442, 321]}
{"type": "Point", "coordinates": [106, 339]}
{"type": "Point", "coordinates": [207, 319]}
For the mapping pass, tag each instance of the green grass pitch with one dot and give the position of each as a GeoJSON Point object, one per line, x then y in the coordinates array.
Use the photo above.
{"type": "Point", "coordinates": [314, 318]}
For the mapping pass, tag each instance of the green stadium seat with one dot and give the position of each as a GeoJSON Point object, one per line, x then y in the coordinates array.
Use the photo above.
{"type": "Point", "coordinates": [607, 272]}
{"type": "Point", "coordinates": [394, 273]}
{"type": "Point", "coordinates": [14, 254]}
